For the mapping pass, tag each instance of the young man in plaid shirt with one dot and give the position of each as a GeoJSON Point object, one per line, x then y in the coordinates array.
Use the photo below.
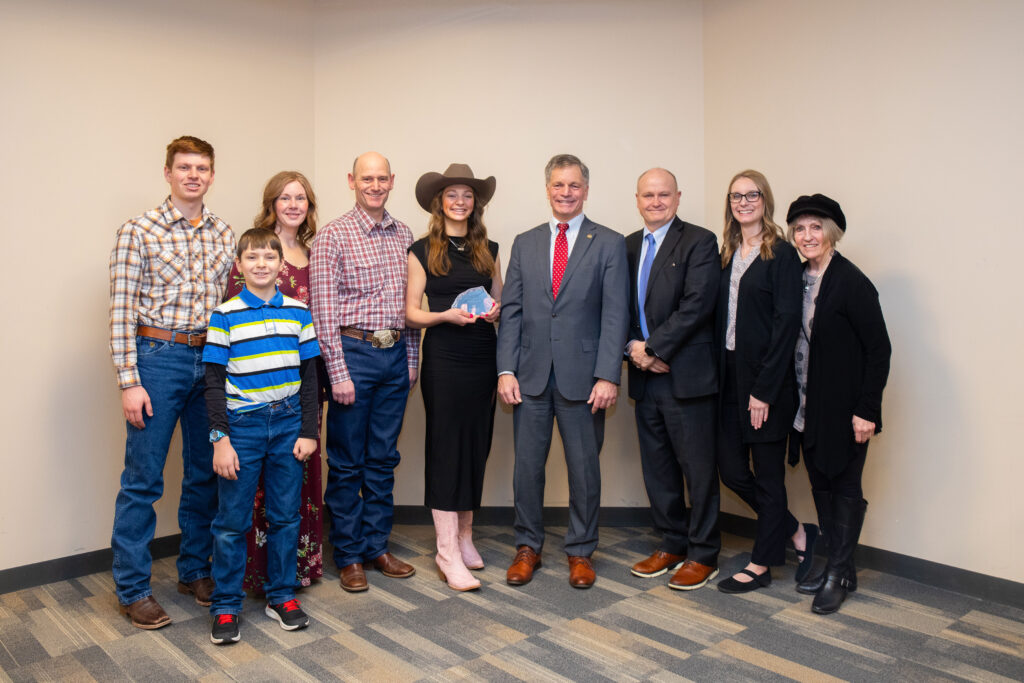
{"type": "Point", "coordinates": [168, 271]}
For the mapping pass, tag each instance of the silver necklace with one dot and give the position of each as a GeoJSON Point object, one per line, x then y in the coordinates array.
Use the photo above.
{"type": "Point", "coordinates": [460, 247]}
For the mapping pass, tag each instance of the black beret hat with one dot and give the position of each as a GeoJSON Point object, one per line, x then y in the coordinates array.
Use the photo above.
{"type": "Point", "coordinates": [817, 205]}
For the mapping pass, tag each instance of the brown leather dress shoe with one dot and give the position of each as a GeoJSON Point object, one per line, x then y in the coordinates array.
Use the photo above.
{"type": "Point", "coordinates": [202, 589]}
{"type": "Point", "coordinates": [146, 614]}
{"type": "Point", "coordinates": [352, 578]}
{"type": "Point", "coordinates": [657, 564]}
{"type": "Point", "coordinates": [389, 565]}
{"type": "Point", "coordinates": [692, 575]}
{"type": "Point", "coordinates": [581, 572]}
{"type": "Point", "coordinates": [521, 571]}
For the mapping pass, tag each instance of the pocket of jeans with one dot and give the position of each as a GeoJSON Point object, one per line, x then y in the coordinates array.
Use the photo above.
{"type": "Point", "coordinates": [144, 346]}
{"type": "Point", "coordinates": [236, 418]}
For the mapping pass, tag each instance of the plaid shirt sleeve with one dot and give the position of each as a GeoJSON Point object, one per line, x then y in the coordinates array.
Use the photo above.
{"type": "Point", "coordinates": [412, 337]}
{"type": "Point", "coordinates": [324, 262]}
{"type": "Point", "coordinates": [412, 347]}
{"type": "Point", "coordinates": [125, 280]}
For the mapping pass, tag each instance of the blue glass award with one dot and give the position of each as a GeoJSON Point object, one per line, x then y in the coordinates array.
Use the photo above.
{"type": "Point", "coordinates": [476, 301]}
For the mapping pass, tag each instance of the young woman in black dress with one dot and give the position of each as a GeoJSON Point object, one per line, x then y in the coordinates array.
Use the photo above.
{"type": "Point", "coordinates": [458, 368]}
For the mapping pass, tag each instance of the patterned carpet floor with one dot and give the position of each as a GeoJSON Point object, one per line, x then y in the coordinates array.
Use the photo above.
{"type": "Point", "coordinates": [623, 629]}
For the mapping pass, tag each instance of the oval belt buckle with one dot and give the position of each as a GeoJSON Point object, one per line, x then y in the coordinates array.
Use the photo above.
{"type": "Point", "coordinates": [383, 339]}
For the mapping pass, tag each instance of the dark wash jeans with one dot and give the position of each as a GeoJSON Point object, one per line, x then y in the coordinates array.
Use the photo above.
{"type": "Point", "coordinates": [263, 440]}
{"type": "Point", "coordinates": [362, 451]}
{"type": "Point", "coordinates": [173, 376]}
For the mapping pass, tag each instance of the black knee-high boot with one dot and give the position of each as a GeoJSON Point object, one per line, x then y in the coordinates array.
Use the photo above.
{"type": "Point", "coordinates": [847, 520]}
{"type": "Point", "coordinates": [823, 505]}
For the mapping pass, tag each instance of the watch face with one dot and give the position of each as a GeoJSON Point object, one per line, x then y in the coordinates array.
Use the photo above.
{"type": "Point", "coordinates": [216, 435]}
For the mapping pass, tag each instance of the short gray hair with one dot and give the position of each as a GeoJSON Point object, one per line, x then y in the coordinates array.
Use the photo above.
{"type": "Point", "coordinates": [564, 161]}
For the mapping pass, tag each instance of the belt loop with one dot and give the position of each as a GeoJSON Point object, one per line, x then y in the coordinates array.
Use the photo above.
{"type": "Point", "coordinates": [174, 336]}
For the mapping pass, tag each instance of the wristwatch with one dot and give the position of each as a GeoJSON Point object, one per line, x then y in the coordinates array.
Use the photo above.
{"type": "Point", "coordinates": [216, 435]}
{"type": "Point", "coordinates": [650, 352]}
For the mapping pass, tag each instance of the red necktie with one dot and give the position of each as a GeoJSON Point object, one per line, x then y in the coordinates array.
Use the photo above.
{"type": "Point", "coordinates": [560, 259]}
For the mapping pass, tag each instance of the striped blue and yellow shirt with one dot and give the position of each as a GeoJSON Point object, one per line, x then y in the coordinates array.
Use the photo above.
{"type": "Point", "coordinates": [262, 344]}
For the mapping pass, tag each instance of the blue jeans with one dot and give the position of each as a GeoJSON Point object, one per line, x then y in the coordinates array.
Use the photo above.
{"type": "Point", "coordinates": [172, 375]}
{"type": "Point", "coordinates": [362, 451]}
{"type": "Point", "coordinates": [263, 440]}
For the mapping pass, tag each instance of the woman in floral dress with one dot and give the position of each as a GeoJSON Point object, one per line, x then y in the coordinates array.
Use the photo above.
{"type": "Point", "coordinates": [289, 209]}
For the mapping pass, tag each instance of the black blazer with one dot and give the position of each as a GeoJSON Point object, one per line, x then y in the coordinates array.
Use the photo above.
{"type": "Point", "coordinates": [768, 309]}
{"type": "Point", "coordinates": [848, 365]}
{"type": "Point", "coordinates": [680, 305]}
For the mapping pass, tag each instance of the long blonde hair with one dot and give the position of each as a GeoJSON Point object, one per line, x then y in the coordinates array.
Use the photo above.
{"type": "Point", "coordinates": [771, 233]}
{"type": "Point", "coordinates": [438, 262]}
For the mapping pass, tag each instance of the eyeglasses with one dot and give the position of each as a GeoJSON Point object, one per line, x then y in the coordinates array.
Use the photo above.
{"type": "Point", "coordinates": [752, 197]}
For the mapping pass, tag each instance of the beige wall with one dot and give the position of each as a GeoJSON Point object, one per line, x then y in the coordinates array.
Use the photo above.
{"type": "Point", "coordinates": [473, 82]}
{"type": "Point", "coordinates": [908, 113]}
{"type": "Point", "coordinates": [913, 131]}
{"type": "Point", "coordinates": [93, 92]}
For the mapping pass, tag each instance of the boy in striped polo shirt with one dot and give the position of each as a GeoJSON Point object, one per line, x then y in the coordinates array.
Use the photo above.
{"type": "Point", "coordinates": [261, 395]}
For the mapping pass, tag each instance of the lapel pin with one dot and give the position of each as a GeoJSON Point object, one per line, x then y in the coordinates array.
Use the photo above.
{"type": "Point", "coordinates": [590, 235]}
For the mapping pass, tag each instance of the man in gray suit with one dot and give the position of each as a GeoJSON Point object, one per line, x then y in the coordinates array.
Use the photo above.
{"type": "Point", "coordinates": [564, 320]}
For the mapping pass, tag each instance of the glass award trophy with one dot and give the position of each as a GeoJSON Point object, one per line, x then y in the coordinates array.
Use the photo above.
{"type": "Point", "coordinates": [476, 301]}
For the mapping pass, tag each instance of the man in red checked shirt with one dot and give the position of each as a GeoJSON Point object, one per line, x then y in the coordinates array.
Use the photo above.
{"type": "Point", "coordinates": [358, 269]}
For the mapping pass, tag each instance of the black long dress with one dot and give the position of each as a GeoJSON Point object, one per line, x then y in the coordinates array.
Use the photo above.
{"type": "Point", "coordinates": [459, 386]}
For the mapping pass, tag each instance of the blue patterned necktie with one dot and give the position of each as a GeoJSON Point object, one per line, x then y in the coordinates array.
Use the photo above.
{"type": "Point", "coordinates": [645, 274]}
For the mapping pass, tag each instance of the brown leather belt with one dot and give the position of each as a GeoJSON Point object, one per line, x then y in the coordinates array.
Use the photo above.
{"type": "Point", "coordinates": [381, 339]}
{"type": "Point", "coordinates": [190, 338]}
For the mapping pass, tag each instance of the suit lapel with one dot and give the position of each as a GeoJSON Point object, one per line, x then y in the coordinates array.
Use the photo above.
{"type": "Point", "coordinates": [579, 249]}
{"type": "Point", "coordinates": [540, 253]}
{"type": "Point", "coordinates": [665, 253]}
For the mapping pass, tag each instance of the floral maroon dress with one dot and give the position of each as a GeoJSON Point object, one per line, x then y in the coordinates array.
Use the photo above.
{"type": "Point", "coordinates": [294, 282]}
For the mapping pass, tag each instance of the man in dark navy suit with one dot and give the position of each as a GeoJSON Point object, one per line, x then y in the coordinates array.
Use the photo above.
{"type": "Point", "coordinates": [673, 274]}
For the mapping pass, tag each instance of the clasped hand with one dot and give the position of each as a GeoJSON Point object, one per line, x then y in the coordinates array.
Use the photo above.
{"type": "Point", "coordinates": [639, 358]}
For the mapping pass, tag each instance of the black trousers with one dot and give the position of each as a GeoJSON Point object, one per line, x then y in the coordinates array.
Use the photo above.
{"type": "Point", "coordinates": [764, 488]}
{"type": "Point", "coordinates": [677, 450]}
{"type": "Point", "coordinates": [848, 482]}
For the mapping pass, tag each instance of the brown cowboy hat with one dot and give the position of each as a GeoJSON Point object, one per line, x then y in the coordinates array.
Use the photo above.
{"type": "Point", "coordinates": [431, 183]}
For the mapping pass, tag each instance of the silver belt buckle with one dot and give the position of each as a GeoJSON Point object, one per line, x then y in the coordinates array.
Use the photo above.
{"type": "Point", "coordinates": [383, 339]}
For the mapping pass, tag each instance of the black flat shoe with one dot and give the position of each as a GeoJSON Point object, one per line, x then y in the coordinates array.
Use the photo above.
{"type": "Point", "coordinates": [731, 585]}
{"type": "Point", "coordinates": [806, 556]}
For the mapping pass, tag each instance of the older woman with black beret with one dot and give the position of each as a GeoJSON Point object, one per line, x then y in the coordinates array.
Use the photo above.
{"type": "Point", "coordinates": [842, 364]}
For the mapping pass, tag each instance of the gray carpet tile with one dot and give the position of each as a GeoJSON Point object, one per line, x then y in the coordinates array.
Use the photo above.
{"type": "Point", "coordinates": [625, 628]}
